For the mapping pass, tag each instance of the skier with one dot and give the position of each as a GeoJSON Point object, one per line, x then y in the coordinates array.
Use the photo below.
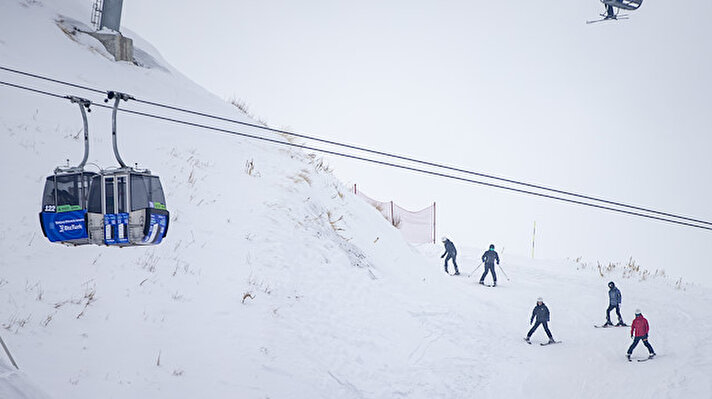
{"type": "Point", "coordinates": [639, 331]}
{"type": "Point", "coordinates": [614, 302]}
{"type": "Point", "coordinates": [610, 14]}
{"type": "Point", "coordinates": [541, 313]}
{"type": "Point", "coordinates": [451, 253]}
{"type": "Point", "coordinates": [488, 259]}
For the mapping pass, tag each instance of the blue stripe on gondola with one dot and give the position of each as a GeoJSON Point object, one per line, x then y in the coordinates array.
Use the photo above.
{"type": "Point", "coordinates": [122, 228]}
{"type": "Point", "coordinates": [116, 227]}
{"type": "Point", "coordinates": [157, 221]}
{"type": "Point", "coordinates": [65, 226]}
{"type": "Point", "coordinates": [110, 229]}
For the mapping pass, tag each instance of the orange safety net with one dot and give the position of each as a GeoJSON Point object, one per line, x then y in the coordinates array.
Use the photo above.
{"type": "Point", "coordinates": [417, 227]}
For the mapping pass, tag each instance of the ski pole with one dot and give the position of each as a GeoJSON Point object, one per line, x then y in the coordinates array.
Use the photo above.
{"type": "Point", "coordinates": [473, 272]}
{"type": "Point", "coordinates": [505, 274]}
{"type": "Point", "coordinates": [8, 353]}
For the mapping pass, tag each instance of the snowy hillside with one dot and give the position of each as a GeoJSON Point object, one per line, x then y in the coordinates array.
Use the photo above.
{"type": "Point", "coordinates": [274, 280]}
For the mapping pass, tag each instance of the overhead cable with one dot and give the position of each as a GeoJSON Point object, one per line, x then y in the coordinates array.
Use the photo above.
{"type": "Point", "coordinates": [368, 150]}
{"type": "Point", "coordinates": [370, 160]}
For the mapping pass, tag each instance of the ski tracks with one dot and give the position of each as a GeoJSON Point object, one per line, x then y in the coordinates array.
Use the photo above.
{"type": "Point", "coordinates": [421, 350]}
{"type": "Point", "coordinates": [349, 387]}
{"type": "Point", "coordinates": [447, 347]}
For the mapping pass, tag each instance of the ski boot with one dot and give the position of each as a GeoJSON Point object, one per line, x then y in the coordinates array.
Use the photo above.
{"type": "Point", "coordinates": [527, 339]}
{"type": "Point", "coordinates": [482, 283]}
{"type": "Point", "coordinates": [621, 324]}
{"type": "Point", "coordinates": [627, 356]}
{"type": "Point", "coordinates": [551, 340]}
{"type": "Point", "coordinates": [494, 284]}
{"type": "Point", "coordinates": [652, 355]}
{"type": "Point", "coordinates": [608, 323]}
{"type": "Point", "coordinates": [457, 273]}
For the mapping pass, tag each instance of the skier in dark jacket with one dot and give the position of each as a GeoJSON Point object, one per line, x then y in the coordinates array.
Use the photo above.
{"type": "Point", "coordinates": [639, 331]}
{"type": "Point", "coordinates": [541, 313]}
{"type": "Point", "coordinates": [451, 253]}
{"type": "Point", "coordinates": [610, 14]}
{"type": "Point", "coordinates": [614, 302]}
{"type": "Point", "coordinates": [488, 258]}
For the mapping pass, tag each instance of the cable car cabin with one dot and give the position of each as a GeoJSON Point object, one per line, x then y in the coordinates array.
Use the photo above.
{"type": "Point", "coordinates": [127, 208]}
{"type": "Point", "coordinates": [64, 207]}
{"type": "Point", "coordinates": [118, 207]}
{"type": "Point", "coordinates": [623, 4]}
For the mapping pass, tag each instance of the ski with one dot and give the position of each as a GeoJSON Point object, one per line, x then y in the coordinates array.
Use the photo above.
{"type": "Point", "coordinates": [610, 326]}
{"type": "Point", "coordinates": [642, 360]}
{"type": "Point", "coordinates": [549, 343]}
{"type": "Point", "coordinates": [605, 19]}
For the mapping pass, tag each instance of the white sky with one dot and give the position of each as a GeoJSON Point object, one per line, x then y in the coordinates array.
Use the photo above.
{"type": "Point", "coordinates": [524, 90]}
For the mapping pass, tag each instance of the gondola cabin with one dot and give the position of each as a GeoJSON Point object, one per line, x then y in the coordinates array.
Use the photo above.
{"type": "Point", "coordinates": [126, 207]}
{"type": "Point", "coordinates": [613, 8]}
{"type": "Point", "coordinates": [121, 206]}
{"type": "Point", "coordinates": [624, 4]}
{"type": "Point", "coordinates": [64, 207]}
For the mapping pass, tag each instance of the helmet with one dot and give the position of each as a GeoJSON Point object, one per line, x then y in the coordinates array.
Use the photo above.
{"type": "Point", "coordinates": [443, 239]}
{"type": "Point", "coordinates": [540, 299]}
{"type": "Point", "coordinates": [491, 246]}
{"type": "Point", "coordinates": [611, 284]}
{"type": "Point", "coordinates": [637, 312]}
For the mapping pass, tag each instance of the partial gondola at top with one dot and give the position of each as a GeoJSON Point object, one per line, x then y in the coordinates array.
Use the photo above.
{"type": "Point", "coordinates": [613, 7]}
{"type": "Point", "coordinates": [120, 206]}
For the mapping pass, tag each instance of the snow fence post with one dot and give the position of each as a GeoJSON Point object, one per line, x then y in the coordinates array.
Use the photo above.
{"type": "Point", "coordinates": [434, 223]}
{"type": "Point", "coordinates": [8, 353]}
{"type": "Point", "coordinates": [533, 238]}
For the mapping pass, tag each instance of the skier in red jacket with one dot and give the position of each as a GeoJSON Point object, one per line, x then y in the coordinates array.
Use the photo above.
{"type": "Point", "coordinates": [639, 331]}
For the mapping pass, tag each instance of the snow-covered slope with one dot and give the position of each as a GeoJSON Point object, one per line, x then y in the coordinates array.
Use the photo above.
{"type": "Point", "coordinates": [274, 281]}
{"type": "Point", "coordinates": [15, 384]}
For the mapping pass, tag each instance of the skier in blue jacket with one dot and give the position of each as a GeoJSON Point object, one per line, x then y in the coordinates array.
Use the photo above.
{"type": "Point", "coordinates": [451, 253]}
{"type": "Point", "coordinates": [614, 302]}
{"type": "Point", "coordinates": [610, 14]}
{"type": "Point", "coordinates": [541, 313]}
{"type": "Point", "coordinates": [488, 258]}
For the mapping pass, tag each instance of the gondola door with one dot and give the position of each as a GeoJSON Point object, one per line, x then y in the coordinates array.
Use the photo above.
{"type": "Point", "coordinates": [115, 204]}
